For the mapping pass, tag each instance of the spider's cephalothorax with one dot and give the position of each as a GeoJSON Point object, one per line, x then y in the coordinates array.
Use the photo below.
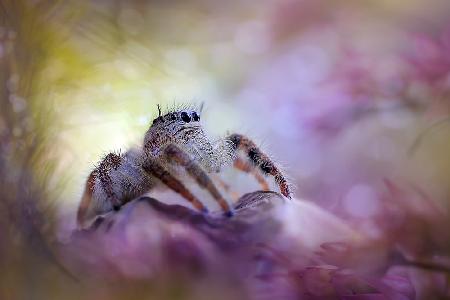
{"type": "Point", "coordinates": [175, 139]}
{"type": "Point", "coordinates": [183, 128]}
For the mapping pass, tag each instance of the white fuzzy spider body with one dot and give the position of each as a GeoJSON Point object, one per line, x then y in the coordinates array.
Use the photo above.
{"type": "Point", "coordinates": [175, 141]}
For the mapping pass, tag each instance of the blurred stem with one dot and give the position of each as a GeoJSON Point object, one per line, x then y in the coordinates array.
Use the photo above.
{"type": "Point", "coordinates": [27, 37]}
{"type": "Point", "coordinates": [422, 135]}
{"type": "Point", "coordinates": [427, 266]}
{"type": "Point", "coordinates": [397, 258]}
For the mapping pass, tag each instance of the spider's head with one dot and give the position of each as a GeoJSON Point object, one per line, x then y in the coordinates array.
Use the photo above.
{"type": "Point", "coordinates": [178, 126]}
{"type": "Point", "coordinates": [181, 118]}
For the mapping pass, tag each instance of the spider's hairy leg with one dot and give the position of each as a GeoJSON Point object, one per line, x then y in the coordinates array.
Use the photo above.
{"type": "Point", "coordinates": [86, 198]}
{"type": "Point", "coordinates": [261, 160]}
{"type": "Point", "coordinates": [153, 168]}
{"type": "Point", "coordinates": [247, 167]}
{"type": "Point", "coordinates": [111, 162]}
{"type": "Point", "coordinates": [100, 182]}
{"type": "Point", "coordinates": [225, 186]}
{"type": "Point", "coordinates": [176, 155]}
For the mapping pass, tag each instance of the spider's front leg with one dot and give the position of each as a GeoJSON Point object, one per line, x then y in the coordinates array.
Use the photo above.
{"type": "Point", "coordinates": [155, 169]}
{"type": "Point", "coordinates": [248, 167]}
{"type": "Point", "coordinates": [176, 155]}
{"type": "Point", "coordinates": [259, 160]}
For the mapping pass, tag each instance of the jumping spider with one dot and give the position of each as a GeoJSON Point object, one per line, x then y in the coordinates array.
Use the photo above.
{"type": "Point", "coordinates": [175, 139]}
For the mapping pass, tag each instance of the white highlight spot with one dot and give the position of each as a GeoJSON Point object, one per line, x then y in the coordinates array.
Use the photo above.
{"type": "Point", "coordinates": [361, 201]}
{"type": "Point", "coordinates": [252, 38]}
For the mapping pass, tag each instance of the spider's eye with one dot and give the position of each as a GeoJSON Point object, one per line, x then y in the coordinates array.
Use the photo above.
{"type": "Point", "coordinates": [195, 116]}
{"type": "Point", "coordinates": [173, 117]}
{"type": "Point", "coordinates": [185, 117]}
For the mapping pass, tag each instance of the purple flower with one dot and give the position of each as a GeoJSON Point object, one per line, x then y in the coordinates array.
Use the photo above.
{"type": "Point", "coordinates": [270, 248]}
